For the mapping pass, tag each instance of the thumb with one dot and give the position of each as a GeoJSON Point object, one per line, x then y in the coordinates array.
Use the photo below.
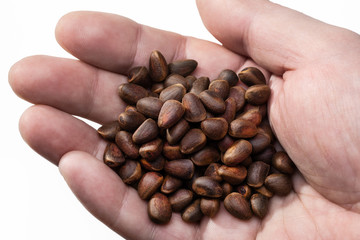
{"type": "Point", "coordinates": [275, 37]}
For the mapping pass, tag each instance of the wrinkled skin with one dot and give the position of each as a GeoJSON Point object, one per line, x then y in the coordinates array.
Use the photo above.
{"type": "Point", "coordinates": [314, 75]}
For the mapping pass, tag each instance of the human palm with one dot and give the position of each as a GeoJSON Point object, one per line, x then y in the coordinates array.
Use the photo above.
{"type": "Point", "coordinates": [313, 74]}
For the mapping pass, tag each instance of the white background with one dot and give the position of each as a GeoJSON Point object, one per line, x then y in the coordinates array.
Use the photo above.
{"type": "Point", "coordinates": [35, 202]}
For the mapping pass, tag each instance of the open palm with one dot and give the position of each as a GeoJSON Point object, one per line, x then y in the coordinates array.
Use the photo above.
{"type": "Point", "coordinates": [312, 69]}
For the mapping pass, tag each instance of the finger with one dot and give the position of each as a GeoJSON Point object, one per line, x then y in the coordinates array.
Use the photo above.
{"type": "Point", "coordinates": [116, 44]}
{"type": "Point", "coordinates": [275, 37]}
{"type": "Point", "coordinates": [103, 193]}
{"type": "Point", "coordinates": [69, 85]}
{"type": "Point", "coordinates": [90, 92]}
{"type": "Point", "coordinates": [52, 133]}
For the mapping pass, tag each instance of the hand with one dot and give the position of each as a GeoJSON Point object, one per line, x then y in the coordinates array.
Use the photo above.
{"type": "Point", "coordinates": [311, 67]}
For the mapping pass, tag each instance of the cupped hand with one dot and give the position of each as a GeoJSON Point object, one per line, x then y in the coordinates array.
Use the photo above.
{"type": "Point", "coordinates": [311, 67]}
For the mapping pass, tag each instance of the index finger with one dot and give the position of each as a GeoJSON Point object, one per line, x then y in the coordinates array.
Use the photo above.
{"type": "Point", "coordinates": [116, 44]}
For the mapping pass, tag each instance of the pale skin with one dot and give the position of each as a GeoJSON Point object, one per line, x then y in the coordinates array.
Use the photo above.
{"type": "Point", "coordinates": [311, 67]}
